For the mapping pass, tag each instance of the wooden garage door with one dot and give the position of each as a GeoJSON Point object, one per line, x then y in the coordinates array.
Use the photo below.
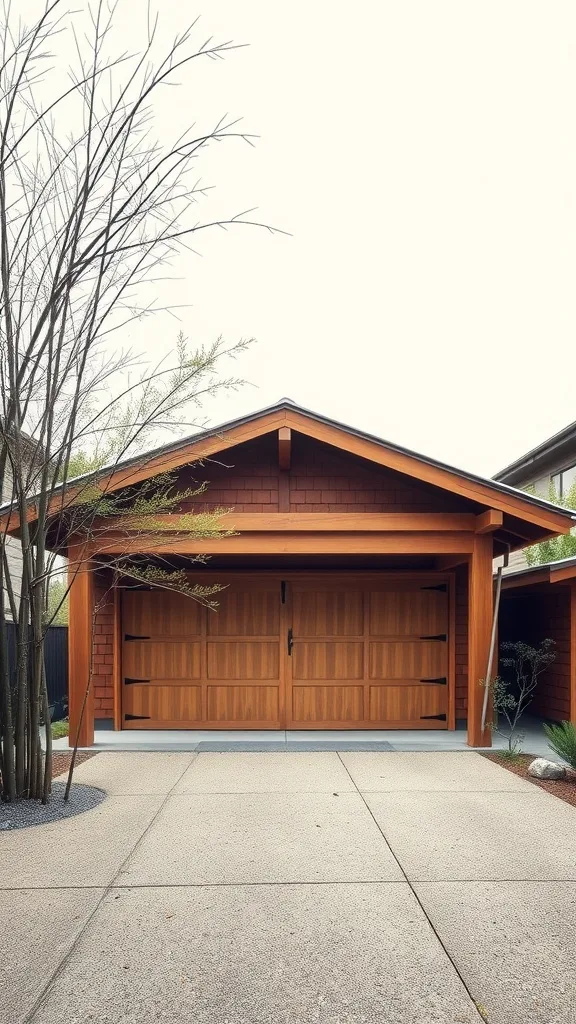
{"type": "Point", "coordinates": [368, 655]}
{"type": "Point", "coordinates": [184, 666]}
{"type": "Point", "coordinates": [304, 654]}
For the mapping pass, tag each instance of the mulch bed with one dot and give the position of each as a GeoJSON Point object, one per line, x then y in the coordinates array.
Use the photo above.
{"type": "Point", "coordinates": [564, 789]}
{"type": "Point", "coordinates": [61, 760]}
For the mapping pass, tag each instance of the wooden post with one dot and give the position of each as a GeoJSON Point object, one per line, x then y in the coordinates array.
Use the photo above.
{"type": "Point", "coordinates": [480, 610]}
{"type": "Point", "coordinates": [117, 655]}
{"type": "Point", "coordinates": [80, 615]}
{"type": "Point", "coordinates": [573, 652]}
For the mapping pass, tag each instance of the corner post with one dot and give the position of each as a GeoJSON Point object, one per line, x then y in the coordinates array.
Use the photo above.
{"type": "Point", "coordinates": [480, 612]}
{"type": "Point", "coordinates": [80, 619]}
{"type": "Point", "coordinates": [573, 652]}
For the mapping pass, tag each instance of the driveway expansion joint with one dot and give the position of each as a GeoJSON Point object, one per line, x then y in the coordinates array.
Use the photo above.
{"type": "Point", "coordinates": [408, 881]}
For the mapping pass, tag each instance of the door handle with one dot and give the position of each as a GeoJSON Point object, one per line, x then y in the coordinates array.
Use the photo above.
{"type": "Point", "coordinates": [290, 641]}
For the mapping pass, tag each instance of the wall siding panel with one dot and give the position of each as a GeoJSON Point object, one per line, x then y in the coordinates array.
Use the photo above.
{"type": "Point", "coordinates": [320, 480]}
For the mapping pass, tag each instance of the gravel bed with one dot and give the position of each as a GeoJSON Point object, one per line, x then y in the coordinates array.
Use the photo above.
{"type": "Point", "coordinates": [26, 813]}
{"type": "Point", "coordinates": [564, 789]}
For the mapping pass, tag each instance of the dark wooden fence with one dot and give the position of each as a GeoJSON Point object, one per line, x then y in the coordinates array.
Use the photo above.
{"type": "Point", "coordinates": [56, 657]}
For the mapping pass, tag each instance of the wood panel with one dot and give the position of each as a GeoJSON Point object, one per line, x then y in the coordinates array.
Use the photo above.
{"type": "Point", "coordinates": [225, 664]}
{"type": "Point", "coordinates": [249, 659]}
{"type": "Point", "coordinates": [354, 636]}
{"type": "Point", "coordinates": [393, 631]}
{"type": "Point", "coordinates": [328, 704]}
{"type": "Point", "coordinates": [161, 613]}
{"type": "Point", "coordinates": [246, 613]}
{"type": "Point", "coordinates": [328, 612]}
{"type": "Point", "coordinates": [166, 705]}
{"type": "Point", "coordinates": [327, 659]}
{"type": "Point", "coordinates": [257, 706]}
{"type": "Point", "coordinates": [178, 660]}
{"type": "Point", "coordinates": [409, 705]}
{"type": "Point", "coordinates": [408, 659]}
{"type": "Point", "coordinates": [406, 611]}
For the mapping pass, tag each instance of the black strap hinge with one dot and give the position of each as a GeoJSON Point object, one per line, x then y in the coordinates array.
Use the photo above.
{"type": "Point", "coordinates": [441, 587]}
{"type": "Point", "coordinates": [435, 636]}
{"type": "Point", "coordinates": [130, 682]}
{"type": "Point", "coordinates": [440, 679]}
{"type": "Point", "coordinates": [136, 718]}
{"type": "Point", "coordinates": [433, 718]}
{"type": "Point", "coordinates": [132, 636]}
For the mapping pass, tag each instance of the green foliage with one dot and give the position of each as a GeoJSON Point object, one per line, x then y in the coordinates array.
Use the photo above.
{"type": "Point", "coordinates": [57, 603]}
{"type": "Point", "coordinates": [513, 755]}
{"type": "Point", "coordinates": [59, 729]}
{"type": "Point", "coordinates": [557, 547]}
{"type": "Point", "coordinates": [177, 579]}
{"type": "Point", "coordinates": [514, 691]}
{"type": "Point", "coordinates": [562, 740]}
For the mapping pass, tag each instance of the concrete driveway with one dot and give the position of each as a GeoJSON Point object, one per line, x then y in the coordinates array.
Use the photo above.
{"type": "Point", "coordinates": [287, 888]}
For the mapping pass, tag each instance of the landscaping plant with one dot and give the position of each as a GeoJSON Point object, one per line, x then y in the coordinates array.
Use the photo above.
{"type": "Point", "coordinates": [562, 740]}
{"type": "Point", "coordinates": [513, 692]}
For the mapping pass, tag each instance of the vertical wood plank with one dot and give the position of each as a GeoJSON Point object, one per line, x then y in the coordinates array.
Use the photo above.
{"type": "Point", "coordinates": [80, 624]}
{"type": "Point", "coordinates": [573, 653]}
{"type": "Point", "coordinates": [480, 611]}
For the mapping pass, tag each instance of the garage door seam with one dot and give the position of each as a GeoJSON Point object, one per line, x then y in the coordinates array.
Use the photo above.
{"type": "Point", "coordinates": [414, 893]}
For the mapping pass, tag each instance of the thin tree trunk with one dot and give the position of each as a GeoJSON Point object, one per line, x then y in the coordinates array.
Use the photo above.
{"type": "Point", "coordinates": [47, 781]}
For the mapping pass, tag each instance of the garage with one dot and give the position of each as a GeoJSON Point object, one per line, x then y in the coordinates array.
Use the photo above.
{"type": "Point", "coordinates": [357, 583]}
{"type": "Point", "coordinates": [303, 652]}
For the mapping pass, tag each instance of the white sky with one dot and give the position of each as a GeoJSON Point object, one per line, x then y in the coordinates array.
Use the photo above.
{"type": "Point", "coordinates": [423, 155]}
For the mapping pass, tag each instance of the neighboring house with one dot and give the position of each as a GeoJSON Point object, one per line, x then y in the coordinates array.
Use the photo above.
{"type": "Point", "coordinates": [13, 548]}
{"type": "Point", "coordinates": [13, 551]}
{"type": "Point", "coordinates": [359, 591]}
{"type": "Point", "coordinates": [552, 463]}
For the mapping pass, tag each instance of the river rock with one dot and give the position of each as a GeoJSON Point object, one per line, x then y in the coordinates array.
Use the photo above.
{"type": "Point", "coordinates": [543, 769]}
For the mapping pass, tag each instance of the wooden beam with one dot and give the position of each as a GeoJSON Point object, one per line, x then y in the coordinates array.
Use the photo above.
{"type": "Point", "coordinates": [80, 617]}
{"type": "Point", "coordinates": [480, 610]}
{"type": "Point", "coordinates": [284, 447]}
{"type": "Point", "coordinates": [286, 543]}
{"type": "Point", "coordinates": [117, 659]}
{"type": "Point", "coordinates": [339, 437]}
{"type": "Point", "coordinates": [311, 522]}
{"type": "Point", "coordinates": [489, 521]}
{"type": "Point", "coordinates": [420, 469]}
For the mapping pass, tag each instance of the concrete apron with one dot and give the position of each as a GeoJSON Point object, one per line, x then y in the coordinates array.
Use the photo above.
{"type": "Point", "coordinates": [256, 740]}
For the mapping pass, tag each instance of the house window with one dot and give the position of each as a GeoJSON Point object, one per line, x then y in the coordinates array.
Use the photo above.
{"type": "Point", "coordinates": [564, 481]}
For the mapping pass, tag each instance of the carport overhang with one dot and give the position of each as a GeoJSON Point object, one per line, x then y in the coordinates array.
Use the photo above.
{"type": "Point", "coordinates": [551, 578]}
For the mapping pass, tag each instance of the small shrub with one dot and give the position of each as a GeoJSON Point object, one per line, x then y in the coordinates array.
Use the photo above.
{"type": "Point", "coordinates": [562, 740]}
{"type": "Point", "coordinates": [513, 691]}
{"type": "Point", "coordinates": [59, 729]}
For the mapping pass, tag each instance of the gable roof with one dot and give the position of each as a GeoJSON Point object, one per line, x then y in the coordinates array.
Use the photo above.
{"type": "Point", "coordinates": [527, 508]}
{"type": "Point", "coordinates": [560, 445]}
